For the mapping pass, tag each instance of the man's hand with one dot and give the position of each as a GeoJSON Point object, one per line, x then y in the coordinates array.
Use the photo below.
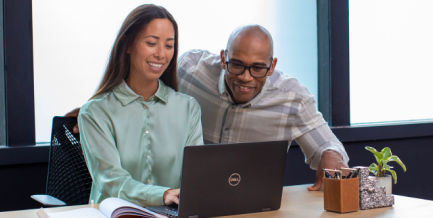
{"type": "Point", "coordinates": [171, 196]}
{"type": "Point", "coordinates": [74, 113]}
{"type": "Point", "coordinates": [330, 160]}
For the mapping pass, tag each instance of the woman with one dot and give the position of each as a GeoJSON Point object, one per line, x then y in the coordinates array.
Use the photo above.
{"type": "Point", "coordinates": [134, 129]}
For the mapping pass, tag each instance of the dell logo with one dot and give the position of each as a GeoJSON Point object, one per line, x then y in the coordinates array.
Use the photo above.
{"type": "Point", "coordinates": [234, 179]}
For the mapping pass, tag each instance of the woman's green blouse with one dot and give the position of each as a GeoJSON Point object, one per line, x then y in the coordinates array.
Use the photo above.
{"type": "Point", "coordinates": [134, 148]}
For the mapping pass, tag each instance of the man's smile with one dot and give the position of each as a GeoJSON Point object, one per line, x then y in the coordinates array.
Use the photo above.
{"type": "Point", "coordinates": [244, 88]}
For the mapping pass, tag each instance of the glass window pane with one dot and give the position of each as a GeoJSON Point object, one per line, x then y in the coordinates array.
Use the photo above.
{"type": "Point", "coordinates": [72, 41]}
{"type": "Point", "coordinates": [390, 60]}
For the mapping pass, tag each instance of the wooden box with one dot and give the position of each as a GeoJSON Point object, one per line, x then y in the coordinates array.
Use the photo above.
{"type": "Point", "coordinates": [341, 195]}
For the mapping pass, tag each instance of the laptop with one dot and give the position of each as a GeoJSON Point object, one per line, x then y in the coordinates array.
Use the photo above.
{"type": "Point", "coordinates": [228, 179]}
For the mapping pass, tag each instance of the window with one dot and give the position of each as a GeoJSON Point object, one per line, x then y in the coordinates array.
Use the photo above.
{"type": "Point", "coordinates": [390, 60]}
{"type": "Point", "coordinates": [72, 41]}
{"type": "Point", "coordinates": [292, 24]}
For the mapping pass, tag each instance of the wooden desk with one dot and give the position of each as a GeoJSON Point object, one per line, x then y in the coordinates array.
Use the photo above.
{"type": "Point", "coordinates": [299, 202]}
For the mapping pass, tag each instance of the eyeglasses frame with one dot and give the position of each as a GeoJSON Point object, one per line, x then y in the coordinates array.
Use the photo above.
{"type": "Point", "coordinates": [246, 67]}
{"type": "Point", "coordinates": [249, 69]}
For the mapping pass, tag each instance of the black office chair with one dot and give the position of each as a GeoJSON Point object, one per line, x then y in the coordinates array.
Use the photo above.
{"type": "Point", "coordinates": [69, 181]}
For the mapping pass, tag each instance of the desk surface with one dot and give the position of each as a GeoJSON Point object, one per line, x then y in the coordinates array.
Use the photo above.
{"type": "Point", "coordinates": [299, 202]}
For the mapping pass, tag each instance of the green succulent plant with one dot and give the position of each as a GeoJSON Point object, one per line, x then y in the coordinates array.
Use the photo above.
{"type": "Point", "coordinates": [382, 159]}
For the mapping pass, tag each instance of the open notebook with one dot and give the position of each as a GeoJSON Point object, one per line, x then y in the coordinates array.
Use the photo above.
{"type": "Point", "coordinates": [109, 208]}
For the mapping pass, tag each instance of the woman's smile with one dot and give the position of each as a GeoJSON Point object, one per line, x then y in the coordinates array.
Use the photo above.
{"type": "Point", "coordinates": [155, 66]}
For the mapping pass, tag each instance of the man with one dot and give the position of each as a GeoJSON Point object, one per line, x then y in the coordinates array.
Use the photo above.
{"type": "Point", "coordinates": [243, 99]}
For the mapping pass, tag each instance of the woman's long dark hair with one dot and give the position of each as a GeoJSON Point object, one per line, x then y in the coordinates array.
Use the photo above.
{"type": "Point", "coordinates": [119, 63]}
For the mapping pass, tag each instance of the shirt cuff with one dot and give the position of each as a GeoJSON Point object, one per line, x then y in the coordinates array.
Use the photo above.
{"type": "Point", "coordinates": [156, 195]}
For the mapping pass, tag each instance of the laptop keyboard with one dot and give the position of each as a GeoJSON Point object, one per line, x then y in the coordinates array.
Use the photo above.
{"type": "Point", "coordinates": [167, 212]}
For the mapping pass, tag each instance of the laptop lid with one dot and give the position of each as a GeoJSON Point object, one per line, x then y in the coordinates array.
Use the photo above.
{"type": "Point", "coordinates": [227, 179]}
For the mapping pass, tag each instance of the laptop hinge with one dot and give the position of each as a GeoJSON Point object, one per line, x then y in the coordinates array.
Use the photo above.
{"type": "Point", "coordinates": [195, 216]}
{"type": "Point", "coordinates": [266, 209]}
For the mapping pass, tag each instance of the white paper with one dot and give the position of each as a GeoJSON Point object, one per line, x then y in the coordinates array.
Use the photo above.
{"type": "Point", "coordinates": [79, 213]}
{"type": "Point", "coordinates": [108, 205]}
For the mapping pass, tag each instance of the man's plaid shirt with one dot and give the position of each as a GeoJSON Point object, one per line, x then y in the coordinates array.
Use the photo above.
{"type": "Point", "coordinates": [284, 109]}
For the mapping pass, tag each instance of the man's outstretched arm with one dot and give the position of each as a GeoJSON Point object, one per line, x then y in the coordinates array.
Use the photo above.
{"type": "Point", "coordinates": [320, 146]}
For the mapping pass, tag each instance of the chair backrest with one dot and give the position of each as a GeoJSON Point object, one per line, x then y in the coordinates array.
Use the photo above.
{"type": "Point", "coordinates": [68, 177]}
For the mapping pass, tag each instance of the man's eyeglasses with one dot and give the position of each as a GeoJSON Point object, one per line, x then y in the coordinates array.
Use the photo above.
{"type": "Point", "coordinates": [255, 71]}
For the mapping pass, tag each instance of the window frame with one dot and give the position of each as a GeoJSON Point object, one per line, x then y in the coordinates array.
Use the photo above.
{"type": "Point", "coordinates": [19, 115]}
{"type": "Point", "coordinates": [18, 73]}
{"type": "Point", "coordinates": [333, 61]}
{"type": "Point", "coordinates": [2, 82]}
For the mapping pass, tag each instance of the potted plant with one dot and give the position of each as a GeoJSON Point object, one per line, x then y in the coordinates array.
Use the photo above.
{"type": "Point", "coordinates": [382, 166]}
